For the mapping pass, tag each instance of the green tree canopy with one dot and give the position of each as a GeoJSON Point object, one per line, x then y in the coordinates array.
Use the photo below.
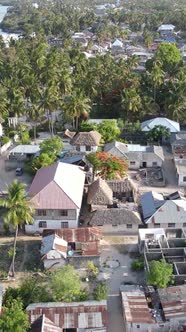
{"type": "Point", "coordinates": [30, 291]}
{"type": "Point", "coordinates": [160, 274]}
{"type": "Point", "coordinates": [169, 56]}
{"type": "Point", "coordinates": [14, 319]}
{"type": "Point", "coordinates": [66, 284]}
{"type": "Point", "coordinates": [52, 145]}
{"type": "Point", "coordinates": [43, 160]}
{"type": "Point", "coordinates": [158, 133]}
{"type": "Point", "coordinates": [108, 130]}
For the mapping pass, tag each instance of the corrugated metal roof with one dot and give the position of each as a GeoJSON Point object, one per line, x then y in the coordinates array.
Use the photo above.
{"type": "Point", "coordinates": [173, 300]}
{"type": "Point", "coordinates": [59, 186]}
{"type": "Point", "coordinates": [84, 234]}
{"type": "Point", "coordinates": [89, 314]}
{"type": "Point", "coordinates": [43, 324]}
{"type": "Point", "coordinates": [149, 205]}
{"type": "Point", "coordinates": [25, 149]}
{"type": "Point", "coordinates": [135, 307]}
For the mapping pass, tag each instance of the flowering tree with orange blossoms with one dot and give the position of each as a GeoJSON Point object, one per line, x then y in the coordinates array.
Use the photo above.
{"type": "Point", "coordinates": [108, 166]}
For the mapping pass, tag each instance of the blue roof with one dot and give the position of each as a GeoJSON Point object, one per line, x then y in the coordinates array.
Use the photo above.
{"type": "Point", "coordinates": [73, 159]}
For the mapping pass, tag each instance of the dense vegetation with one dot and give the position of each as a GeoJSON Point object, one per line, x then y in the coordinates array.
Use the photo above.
{"type": "Point", "coordinates": [36, 79]}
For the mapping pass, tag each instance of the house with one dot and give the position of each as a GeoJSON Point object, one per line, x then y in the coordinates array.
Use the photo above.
{"type": "Point", "coordinates": [173, 126]}
{"type": "Point", "coordinates": [136, 311]}
{"type": "Point", "coordinates": [147, 309]}
{"type": "Point", "coordinates": [163, 213]}
{"type": "Point", "coordinates": [99, 193]}
{"type": "Point", "coordinates": [180, 165]}
{"type": "Point", "coordinates": [56, 194]}
{"type": "Point", "coordinates": [117, 47]}
{"type": "Point", "coordinates": [124, 190]}
{"type": "Point", "coordinates": [86, 141]}
{"type": "Point", "coordinates": [76, 316]}
{"type": "Point", "coordinates": [116, 220]}
{"type": "Point", "coordinates": [137, 155]}
{"type": "Point", "coordinates": [24, 152]}
{"type": "Point", "coordinates": [43, 324]}
{"type": "Point", "coordinates": [168, 244]}
{"type": "Point", "coordinates": [74, 246]}
{"type": "Point", "coordinates": [173, 302]}
{"type": "Point", "coordinates": [166, 30]}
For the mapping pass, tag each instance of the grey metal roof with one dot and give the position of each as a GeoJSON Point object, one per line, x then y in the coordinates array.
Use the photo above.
{"type": "Point", "coordinates": [149, 204]}
{"type": "Point", "coordinates": [73, 159]}
{"type": "Point", "coordinates": [26, 149]}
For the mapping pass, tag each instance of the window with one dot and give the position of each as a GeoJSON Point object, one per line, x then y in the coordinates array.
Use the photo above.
{"type": "Point", "coordinates": [184, 224]}
{"type": "Point", "coordinates": [171, 224]}
{"type": "Point", "coordinates": [88, 148]}
{"type": "Point", "coordinates": [132, 163]}
{"type": "Point", "coordinates": [184, 179]}
{"type": "Point", "coordinates": [138, 326]}
{"type": "Point", "coordinates": [154, 163]}
{"type": "Point", "coordinates": [41, 213]}
{"type": "Point", "coordinates": [129, 226]}
{"type": "Point", "coordinates": [42, 224]}
{"type": "Point", "coordinates": [77, 148]}
{"type": "Point", "coordinates": [63, 213]}
{"type": "Point", "coordinates": [115, 225]}
{"type": "Point", "coordinates": [157, 225]}
{"type": "Point", "coordinates": [64, 225]}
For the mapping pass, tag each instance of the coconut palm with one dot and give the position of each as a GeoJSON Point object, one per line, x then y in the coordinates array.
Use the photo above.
{"type": "Point", "coordinates": [157, 76]}
{"type": "Point", "coordinates": [75, 105]}
{"type": "Point", "coordinates": [18, 211]}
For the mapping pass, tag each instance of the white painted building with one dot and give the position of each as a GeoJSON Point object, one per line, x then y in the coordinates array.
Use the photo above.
{"type": "Point", "coordinates": [56, 194]}
{"type": "Point", "coordinates": [86, 142]}
{"type": "Point", "coordinates": [173, 126]}
{"type": "Point", "coordinates": [136, 154]}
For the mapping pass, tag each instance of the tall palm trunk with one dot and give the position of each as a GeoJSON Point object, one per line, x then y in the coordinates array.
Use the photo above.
{"type": "Point", "coordinates": [12, 266]}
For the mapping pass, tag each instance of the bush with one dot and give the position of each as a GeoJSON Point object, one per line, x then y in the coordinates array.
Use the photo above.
{"type": "Point", "coordinates": [24, 137]}
{"type": "Point", "coordinates": [92, 270]}
{"type": "Point", "coordinates": [100, 291]}
{"type": "Point", "coordinates": [137, 264]}
{"type": "Point", "coordinates": [6, 139]}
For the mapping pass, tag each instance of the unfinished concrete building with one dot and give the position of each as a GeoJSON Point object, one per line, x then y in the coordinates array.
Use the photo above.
{"type": "Point", "coordinates": [168, 244]}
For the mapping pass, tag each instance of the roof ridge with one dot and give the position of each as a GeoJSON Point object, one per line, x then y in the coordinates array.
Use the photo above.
{"type": "Point", "coordinates": [65, 193]}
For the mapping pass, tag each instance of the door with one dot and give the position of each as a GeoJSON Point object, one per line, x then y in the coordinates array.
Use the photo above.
{"type": "Point", "coordinates": [144, 164]}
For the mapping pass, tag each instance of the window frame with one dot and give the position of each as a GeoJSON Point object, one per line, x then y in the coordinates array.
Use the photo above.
{"type": "Point", "coordinates": [129, 225]}
{"type": "Point", "coordinates": [41, 213]}
{"type": "Point", "coordinates": [41, 222]}
{"type": "Point", "coordinates": [171, 223]}
{"type": "Point", "coordinates": [64, 224]}
{"type": "Point", "coordinates": [63, 213]}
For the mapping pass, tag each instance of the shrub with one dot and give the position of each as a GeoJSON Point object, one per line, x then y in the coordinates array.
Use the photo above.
{"type": "Point", "coordinates": [100, 291]}
{"type": "Point", "coordinates": [138, 264]}
{"type": "Point", "coordinates": [6, 139]}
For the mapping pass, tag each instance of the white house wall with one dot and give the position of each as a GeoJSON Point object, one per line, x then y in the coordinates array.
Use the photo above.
{"type": "Point", "coordinates": [82, 148]}
{"type": "Point", "coordinates": [181, 182]}
{"type": "Point", "coordinates": [51, 224]}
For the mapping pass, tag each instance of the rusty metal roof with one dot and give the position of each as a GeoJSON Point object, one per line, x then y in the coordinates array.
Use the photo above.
{"type": "Point", "coordinates": [173, 300]}
{"type": "Point", "coordinates": [135, 307]}
{"type": "Point", "coordinates": [43, 324]}
{"type": "Point", "coordinates": [82, 315]}
{"type": "Point", "coordinates": [84, 234]}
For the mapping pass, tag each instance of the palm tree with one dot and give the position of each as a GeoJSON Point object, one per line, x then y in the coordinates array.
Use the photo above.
{"type": "Point", "coordinates": [157, 76]}
{"type": "Point", "coordinates": [18, 211]}
{"type": "Point", "coordinates": [131, 101]}
{"type": "Point", "coordinates": [75, 105]}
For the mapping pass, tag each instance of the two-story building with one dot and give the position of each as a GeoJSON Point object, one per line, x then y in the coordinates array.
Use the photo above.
{"type": "Point", "coordinates": [56, 194]}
